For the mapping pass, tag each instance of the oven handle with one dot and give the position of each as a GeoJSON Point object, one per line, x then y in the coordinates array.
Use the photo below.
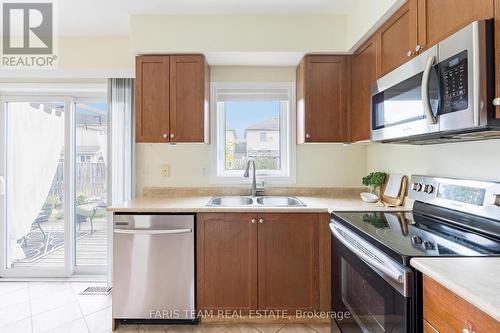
{"type": "Point", "coordinates": [399, 278]}
{"type": "Point", "coordinates": [394, 275]}
{"type": "Point", "coordinates": [431, 119]}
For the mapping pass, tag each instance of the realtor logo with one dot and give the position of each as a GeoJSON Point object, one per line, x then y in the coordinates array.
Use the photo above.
{"type": "Point", "coordinates": [28, 34]}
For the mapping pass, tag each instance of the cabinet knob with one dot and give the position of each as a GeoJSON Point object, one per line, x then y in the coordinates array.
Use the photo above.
{"type": "Point", "coordinates": [496, 101]}
{"type": "Point", "coordinates": [418, 48]}
{"type": "Point", "coordinates": [409, 53]}
{"type": "Point", "coordinates": [165, 136]}
{"type": "Point", "coordinates": [308, 136]}
{"type": "Point", "coordinates": [261, 221]}
{"type": "Point", "coordinates": [253, 221]}
{"type": "Point", "coordinates": [171, 135]}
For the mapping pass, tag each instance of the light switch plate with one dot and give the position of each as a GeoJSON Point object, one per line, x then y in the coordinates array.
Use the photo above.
{"type": "Point", "coordinates": [165, 170]}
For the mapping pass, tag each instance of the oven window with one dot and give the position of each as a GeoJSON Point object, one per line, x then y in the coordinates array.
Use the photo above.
{"type": "Point", "coordinates": [375, 306]}
{"type": "Point", "coordinates": [402, 103]}
{"type": "Point", "coordinates": [362, 299]}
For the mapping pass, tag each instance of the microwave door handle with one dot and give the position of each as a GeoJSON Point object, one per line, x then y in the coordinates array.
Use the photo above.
{"type": "Point", "coordinates": [431, 119]}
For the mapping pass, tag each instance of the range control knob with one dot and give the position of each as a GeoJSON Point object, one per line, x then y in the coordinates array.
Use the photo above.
{"type": "Point", "coordinates": [428, 188]}
{"type": "Point", "coordinates": [416, 187]}
{"type": "Point", "coordinates": [416, 239]}
{"type": "Point", "coordinates": [428, 245]}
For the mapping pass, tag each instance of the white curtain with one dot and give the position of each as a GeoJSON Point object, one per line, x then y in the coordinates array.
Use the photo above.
{"type": "Point", "coordinates": [35, 137]}
{"type": "Point", "coordinates": [102, 139]}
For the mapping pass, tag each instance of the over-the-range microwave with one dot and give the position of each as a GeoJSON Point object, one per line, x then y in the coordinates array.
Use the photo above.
{"type": "Point", "coordinates": [445, 94]}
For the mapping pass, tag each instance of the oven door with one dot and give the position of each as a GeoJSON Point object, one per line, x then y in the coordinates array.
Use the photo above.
{"type": "Point", "coordinates": [406, 101]}
{"type": "Point", "coordinates": [370, 292]}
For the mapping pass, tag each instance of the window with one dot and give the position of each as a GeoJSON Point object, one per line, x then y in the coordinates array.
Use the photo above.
{"type": "Point", "coordinates": [253, 121]}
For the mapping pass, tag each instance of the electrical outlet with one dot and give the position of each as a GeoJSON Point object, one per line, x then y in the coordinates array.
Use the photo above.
{"type": "Point", "coordinates": [165, 170]}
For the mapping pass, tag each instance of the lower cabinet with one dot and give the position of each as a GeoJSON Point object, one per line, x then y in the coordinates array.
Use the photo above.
{"type": "Point", "coordinates": [258, 261]}
{"type": "Point", "coordinates": [444, 311]}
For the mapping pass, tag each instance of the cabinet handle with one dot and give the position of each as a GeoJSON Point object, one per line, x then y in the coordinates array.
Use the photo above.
{"type": "Point", "coordinates": [261, 221]}
{"type": "Point", "coordinates": [171, 135]}
{"type": "Point", "coordinates": [308, 136]}
{"type": "Point", "coordinates": [165, 136]}
{"type": "Point", "coordinates": [496, 101]}
{"type": "Point", "coordinates": [418, 48]}
{"type": "Point", "coordinates": [253, 221]}
{"type": "Point", "coordinates": [409, 53]}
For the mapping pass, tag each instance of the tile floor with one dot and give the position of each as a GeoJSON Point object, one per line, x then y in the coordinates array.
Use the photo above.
{"type": "Point", "coordinates": [57, 307]}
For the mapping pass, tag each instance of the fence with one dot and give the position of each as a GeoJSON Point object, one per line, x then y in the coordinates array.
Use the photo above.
{"type": "Point", "coordinates": [90, 180]}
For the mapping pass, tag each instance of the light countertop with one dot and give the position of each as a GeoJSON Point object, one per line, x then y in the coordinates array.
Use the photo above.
{"type": "Point", "coordinates": [197, 204]}
{"type": "Point", "coordinates": [475, 279]}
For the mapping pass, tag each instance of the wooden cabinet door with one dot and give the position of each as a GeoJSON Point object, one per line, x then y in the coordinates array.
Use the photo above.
{"type": "Point", "coordinates": [447, 312]}
{"type": "Point", "coordinates": [322, 96]}
{"type": "Point", "coordinates": [152, 98]}
{"type": "Point", "coordinates": [397, 38]}
{"type": "Point", "coordinates": [226, 262]}
{"type": "Point", "coordinates": [188, 98]}
{"type": "Point", "coordinates": [288, 261]}
{"type": "Point", "coordinates": [428, 328]}
{"type": "Point", "coordinates": [439, 19]}
{"type": "Point", "coordinates": [363, 75]}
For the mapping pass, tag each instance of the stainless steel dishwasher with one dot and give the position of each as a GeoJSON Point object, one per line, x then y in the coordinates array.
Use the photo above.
{"type": "Point", "coordinates": [153, 268]}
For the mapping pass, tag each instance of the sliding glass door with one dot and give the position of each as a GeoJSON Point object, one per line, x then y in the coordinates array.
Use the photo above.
{"type": "Point", "coordinates": [54, 166]}
{"type": "Point", "coordinates": [91, 194]}
{"type": "Point", "coordinates": [36, 168]}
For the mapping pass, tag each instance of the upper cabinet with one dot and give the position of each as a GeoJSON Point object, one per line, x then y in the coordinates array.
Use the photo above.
{"type": "Point", "coordinates": [439, 19]}
{"type": "Point", "coordinates": [397, 38]}
{"type": "Point", "coordinates": [152, 88]}
{"type": "Point", "coordinates": [363, 74]}
{"type": "Point", "coordinates": [172, 98]}
{"type": "Point", "coordinates": [322, 99]}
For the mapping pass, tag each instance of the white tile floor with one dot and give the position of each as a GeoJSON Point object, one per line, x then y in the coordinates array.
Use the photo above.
{"type": "Point", "coordinates": [57, 307]}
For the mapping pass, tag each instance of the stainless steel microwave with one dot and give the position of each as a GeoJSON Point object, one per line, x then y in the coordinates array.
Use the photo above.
{"type": "Point", "coordinates": [444, 94]}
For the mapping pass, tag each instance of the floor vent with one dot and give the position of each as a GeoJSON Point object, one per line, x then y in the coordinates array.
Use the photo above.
{"type": "Point", "coordinates": [96, 291]}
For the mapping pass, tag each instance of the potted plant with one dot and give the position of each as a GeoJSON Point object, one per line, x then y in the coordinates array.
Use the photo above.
{"type": "Point", "coordinates": [374, 180]}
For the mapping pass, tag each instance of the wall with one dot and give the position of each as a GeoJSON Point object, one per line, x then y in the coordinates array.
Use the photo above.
{"type": "Point", "coordinates": [474, 160]}
{"type": "Point", "coordinates": [238, 33]}
{"type": "Point", "coordinates": [366, 16]}
{"type": "Point", "coordinates": [318, 165]}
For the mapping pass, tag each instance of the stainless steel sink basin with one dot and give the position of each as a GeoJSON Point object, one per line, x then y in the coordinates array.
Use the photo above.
{"type": "Point", "coordinates": [230, 201]}
{"type": "Point", "coordinates": [266, 201]}
{"type": "Point", "coordinates": [280, 202]}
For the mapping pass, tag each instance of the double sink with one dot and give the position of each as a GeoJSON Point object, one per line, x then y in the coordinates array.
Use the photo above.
{"type": "Point", "coordinates": [264, 201]}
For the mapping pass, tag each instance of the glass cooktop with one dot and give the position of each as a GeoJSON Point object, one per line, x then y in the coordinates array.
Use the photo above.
{"type": "Point", "coordinates": [412, 235]}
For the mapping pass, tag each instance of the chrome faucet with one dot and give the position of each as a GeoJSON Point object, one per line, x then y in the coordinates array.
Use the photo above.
{"type": "Point", "coordinates": [254, 189]}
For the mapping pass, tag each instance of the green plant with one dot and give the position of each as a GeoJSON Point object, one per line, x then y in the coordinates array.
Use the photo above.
{"type": "Point", "coordinates": [81, 199]}
{"type": "Point", "coordinates": [374, 180]}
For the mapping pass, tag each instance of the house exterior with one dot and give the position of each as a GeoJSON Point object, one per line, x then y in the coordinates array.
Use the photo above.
{"type": "Point", "coordinates": [263, 143]}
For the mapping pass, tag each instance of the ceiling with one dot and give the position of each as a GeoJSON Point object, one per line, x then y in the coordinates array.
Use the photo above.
{"type": "Point", "coordinates": [111, 17]}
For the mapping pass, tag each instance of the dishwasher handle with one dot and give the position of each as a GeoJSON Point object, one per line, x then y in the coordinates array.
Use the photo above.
{"type": "Point", "coordinates": [152, 231]}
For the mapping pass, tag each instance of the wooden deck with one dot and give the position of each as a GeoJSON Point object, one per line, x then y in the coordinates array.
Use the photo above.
{"type": "Point", "coordinates": [91, 249]}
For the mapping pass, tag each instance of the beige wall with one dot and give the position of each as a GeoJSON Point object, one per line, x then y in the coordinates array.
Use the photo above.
{"type": "Point", "coordinates": [317, 165]}
{"type": "Point", "coordinates": [238, 33]}
{"type": "Point", "coordinates": [95, 52]}
{"type": "Point", "coordinates": [474, 160]}
{"type": "Point", "coordinates": [365, 15]}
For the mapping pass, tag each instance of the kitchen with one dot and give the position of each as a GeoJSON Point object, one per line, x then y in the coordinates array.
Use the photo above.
{"type": "Point", "coordinates": [315, 166]}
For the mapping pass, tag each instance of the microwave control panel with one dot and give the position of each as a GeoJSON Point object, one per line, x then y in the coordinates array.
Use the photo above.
{"type": "Point", "coordinates": [453, 79]}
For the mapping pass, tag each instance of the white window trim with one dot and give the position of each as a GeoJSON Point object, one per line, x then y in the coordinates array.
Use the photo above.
{"type": "Point", "coordinates": [287, 142]}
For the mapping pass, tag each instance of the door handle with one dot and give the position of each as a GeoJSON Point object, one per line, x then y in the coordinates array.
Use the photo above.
{"type": "Point", "coordinates": [431, 119]}
{"type": "Point", "coordinates": [496, 101]}
{"type": "Point", "coordinates": [152, 232]}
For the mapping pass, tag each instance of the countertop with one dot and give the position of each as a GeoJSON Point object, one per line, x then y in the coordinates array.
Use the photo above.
{"type": "Point", "coordinates": [197, 204]}
{"type": "Point", "coordinates": [475, 279]}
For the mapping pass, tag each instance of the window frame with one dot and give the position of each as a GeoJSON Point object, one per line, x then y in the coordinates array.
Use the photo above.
{"type": "Point", "coordinates": [286, 174]}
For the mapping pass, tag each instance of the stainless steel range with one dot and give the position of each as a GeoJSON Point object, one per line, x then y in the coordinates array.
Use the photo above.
{"type": "Point", "coordinates": [371, 274]}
